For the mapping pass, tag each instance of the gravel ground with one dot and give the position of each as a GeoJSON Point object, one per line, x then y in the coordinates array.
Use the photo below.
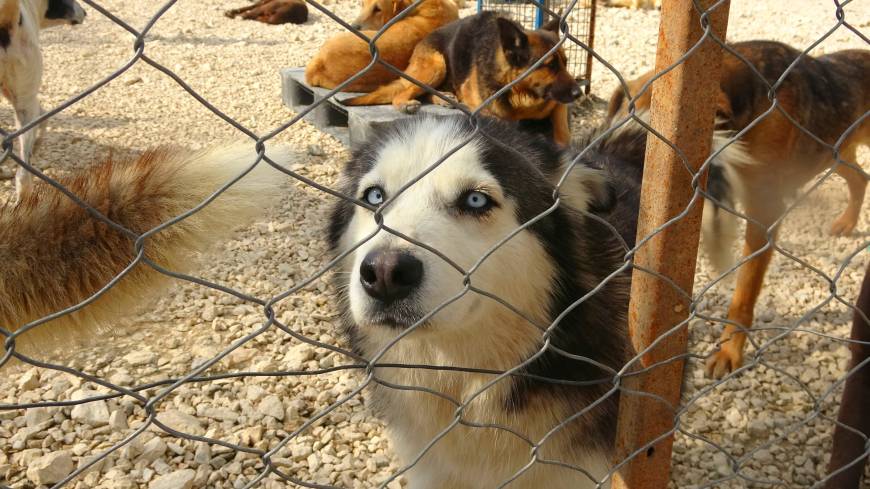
{"type": "Point", "coordinates": [767, 415]}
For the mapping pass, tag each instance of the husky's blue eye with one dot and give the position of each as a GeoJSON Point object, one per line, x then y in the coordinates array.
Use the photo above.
{"type": "Point", "coordinates": [475, 201]}
{"type": "Point", "coordinates": [374, 195]}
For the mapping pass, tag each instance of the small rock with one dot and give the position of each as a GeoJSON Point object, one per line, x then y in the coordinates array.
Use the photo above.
{"type": "Point", "coordinates": [180, 421]}
{"type": "Point", "coordinates": [93, 413]}
{"type": "Point", "coordinates": [298, 355]}
{"type": "Point", "coordinates": [315, 150]}
{"type": "Point", "coordinates": [29, 381]}
{"type": "Point", "coordinates": [118, 420]}
{"type": "Point", "coordinates": [35, 416]}
{"type": "Point", "coordinates": [757, 428]}
{"type": "Point", "coordinates": [133, 81]}
{"type": "Point", "coordinates": [153, 450]}
{"type": "Point", "coordinates": [203, 454]}
{"type": "Point", "coordinates": [180, 479]}
{"type": "Point", "coordinates": [50, 468]}
{"type": "Point", "coordinates": [208, 312]}
{"type": "Point", "coordinates": [139, 358]}
{"type": "Point", "coordinates": [271, 406]}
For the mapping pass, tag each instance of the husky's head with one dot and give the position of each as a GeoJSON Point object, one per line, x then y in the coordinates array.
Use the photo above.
{"type": "Point", "coordinates": [469, 214]}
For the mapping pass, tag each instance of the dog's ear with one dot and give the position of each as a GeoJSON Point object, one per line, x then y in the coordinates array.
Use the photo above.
{"type": "Point", "coordinates": [514, 42]}
{"type": "Point", "coordinates": [553, 24]}
{"type": "Point", "coordinates": [398, 6]}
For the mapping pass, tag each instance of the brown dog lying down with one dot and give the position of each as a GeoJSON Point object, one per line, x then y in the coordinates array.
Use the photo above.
{"type": "Point", "coordinates": [825, 95]}
{"type": "Point", "coordinates": [346, 54]}
{"type": "Point", "coordinates": [273, 12]}
{"type": "Point", "coordinates": [477, 56]}
{"type": "Point", "coordinates": [849, 446]}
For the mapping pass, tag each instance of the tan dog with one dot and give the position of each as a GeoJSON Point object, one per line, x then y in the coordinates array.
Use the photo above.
{"type": "Point", "coordinates": [373, 14]}
{"type": "Point", "coordinates": [346, 54]}
{"type": "Point", "coordinates": [478, 55]}
{"type": "Point", "coordinates": [825, 95]}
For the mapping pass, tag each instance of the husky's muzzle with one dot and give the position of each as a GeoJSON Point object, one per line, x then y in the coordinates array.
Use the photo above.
{"type": "Point", "coordinates": [390, 278]}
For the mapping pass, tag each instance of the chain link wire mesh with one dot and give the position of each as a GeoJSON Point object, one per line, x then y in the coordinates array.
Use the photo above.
{"type": "Point", "coordinates": [269, 458]}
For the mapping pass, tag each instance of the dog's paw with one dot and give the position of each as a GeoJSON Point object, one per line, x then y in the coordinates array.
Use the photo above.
{"type": "Point", "coordinates": [410, 107]}
{"type": "Point", "coordinates": [844, 225]}
{"type": "Point", "coordinates": [450, 102]}
{"type": "Point", "coordinates": [723, 362]}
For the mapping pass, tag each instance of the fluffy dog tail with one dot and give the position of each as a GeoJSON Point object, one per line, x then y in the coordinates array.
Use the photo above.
{"type": "Point", "coordinates": [719, 228]}
{"type": "Point", "coordinates": [55, 255]}
{"type": "Point", "coordinates": [383, 95]}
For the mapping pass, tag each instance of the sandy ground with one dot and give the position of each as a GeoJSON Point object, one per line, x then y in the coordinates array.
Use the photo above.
{"type": "Point", "coordinates": [765, 419]}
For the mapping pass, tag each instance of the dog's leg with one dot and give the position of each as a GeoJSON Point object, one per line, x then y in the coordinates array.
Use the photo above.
{"type": "Point", "coordinates": [750, 278]}
{"type": "Point", "coordinates": [845, 224]}
{"type": "Point", "coordinates": [428, 67]}
{"type": "Point", "coordinates": [848, 445]}
{"type": "Point", "coordinates": [561, 128]}
{"type": "Point", "coordinates": [27, 109]}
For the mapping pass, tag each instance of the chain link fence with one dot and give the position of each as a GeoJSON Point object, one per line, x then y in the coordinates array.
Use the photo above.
{"type": "Point", "coordinates": [252, 460]}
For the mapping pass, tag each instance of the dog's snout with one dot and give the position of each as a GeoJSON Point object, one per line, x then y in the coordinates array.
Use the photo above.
{"type": "Point", "coordinates": [390, 275]}
{"type": "Point", "coordinates": [575, 91]}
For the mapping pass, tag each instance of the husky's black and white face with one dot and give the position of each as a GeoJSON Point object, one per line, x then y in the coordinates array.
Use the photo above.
{"type": "Point", "coordinates": [478, 197]}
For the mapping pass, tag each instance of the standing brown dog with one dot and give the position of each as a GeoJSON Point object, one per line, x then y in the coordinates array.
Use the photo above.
{"type": "Point", "coordinates": [346, 54]}
{"type": "Point", "coordinates": [477, 56]}
{"type": "Point", "coordinates": [824, 95]}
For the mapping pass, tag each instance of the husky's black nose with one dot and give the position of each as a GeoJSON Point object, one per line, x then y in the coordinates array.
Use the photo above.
{"type": "Point", "coordinates": [390, 275]}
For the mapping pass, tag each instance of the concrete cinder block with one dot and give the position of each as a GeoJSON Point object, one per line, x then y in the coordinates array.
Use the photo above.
{"type": "Point", "coordinates": [350, 125]}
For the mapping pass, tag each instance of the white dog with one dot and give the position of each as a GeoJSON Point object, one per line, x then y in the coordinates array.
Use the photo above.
{"type": "Point", "coordinates": [21, 62]}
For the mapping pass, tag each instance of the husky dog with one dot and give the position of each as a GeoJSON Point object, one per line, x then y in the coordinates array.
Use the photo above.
{"type": "Point", "coordinates": [564, 342]}
{"type": "Point", "coordinates": [21, 63]}
{"type": "Point", "coordinates": [54, 254]}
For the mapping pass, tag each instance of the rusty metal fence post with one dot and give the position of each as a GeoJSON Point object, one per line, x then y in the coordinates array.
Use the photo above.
{"type": "Point", "coordinates": [682, 111]}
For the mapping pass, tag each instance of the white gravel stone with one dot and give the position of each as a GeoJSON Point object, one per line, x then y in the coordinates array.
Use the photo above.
{"type": "Point", "coordinates": [50, 468]}
{"type": "Point", "coordinates": [271, 406]}
{"type": "Point", "coordinates": [36, 416]}
{"type": "Point", "coordinates": [29, 380]}
{"type": "Point", "coordinates": [118, 420]}
{"type": "Point", "coordinates": [93, 413]}
{"type": "Point", "coordinates": [139, 358]}
{"type": "Point", "coordinates": [181, 479]}
{"type": "Point", "coordinates": [152, 450]}
{"type": "Point", "coordinates": [180, 421]}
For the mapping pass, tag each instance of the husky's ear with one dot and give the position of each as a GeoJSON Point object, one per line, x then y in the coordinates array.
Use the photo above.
{"type": "Point", "coordinates": [514, 42]}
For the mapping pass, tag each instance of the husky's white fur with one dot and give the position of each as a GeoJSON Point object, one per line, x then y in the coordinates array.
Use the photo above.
{"type": "Point", "coordinates": [520, 272]}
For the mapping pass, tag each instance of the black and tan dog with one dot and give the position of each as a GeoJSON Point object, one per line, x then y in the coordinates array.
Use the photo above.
{"type": "Point", "coordinates": [825, 96]}
{"type": "Point", "coordinates": [475, 57]}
